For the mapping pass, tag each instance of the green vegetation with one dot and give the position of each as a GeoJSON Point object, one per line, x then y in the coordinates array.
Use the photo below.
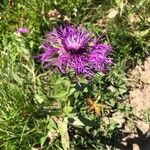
{"type": "Point", "coordinates": [40, 109]}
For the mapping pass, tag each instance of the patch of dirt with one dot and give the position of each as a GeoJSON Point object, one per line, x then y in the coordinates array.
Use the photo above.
{"type": "Point", "coordinates": [138, 137]}
{"type": "Point", "coordinates": [139, 95]}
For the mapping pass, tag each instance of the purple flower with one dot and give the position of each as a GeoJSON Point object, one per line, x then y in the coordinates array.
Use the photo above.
{"type": "Point", "coordinates": [22, 30]}
{"type": "Point", "coordinates": [73, 48]}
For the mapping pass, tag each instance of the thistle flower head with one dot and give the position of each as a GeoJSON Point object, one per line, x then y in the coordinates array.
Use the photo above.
{"type": "Point", "coordinates": [74, 48]}
{"type": "Point", "coordinates": [22, 30]}
{"type": "Point", "coordinates": [74, 40]}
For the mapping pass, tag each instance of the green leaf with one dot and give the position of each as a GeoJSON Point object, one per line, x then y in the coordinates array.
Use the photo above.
{"type": "Point", "coordinates": [60, 94]}
{"type": "Point", "coordinates": [61, 90]}
{"type": "Point", "coordinates": [51, 124]}
{"type": "Point", "coordinates": [62, 126]}
{"type": "Point", "coordinates": [122, 89]}
{"type": "Point", "coordinates": [141, 2]}
{"type": "Point", "coordinates": [67, 109]}
{"type": "Point", "coordinates": [59, 81]}
{"type": "Point", "coordinates": [72, 90]}
{"type": "Point", "coordinates": [39, 98]}
{"type": "Point", "coordinates": [42, 140]}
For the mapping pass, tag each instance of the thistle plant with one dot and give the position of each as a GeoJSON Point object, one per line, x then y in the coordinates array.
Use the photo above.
{"type": "Point", "coordinates": [74, 48]}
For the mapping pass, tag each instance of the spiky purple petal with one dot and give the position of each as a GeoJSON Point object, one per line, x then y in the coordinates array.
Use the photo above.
{"type": "Point", "coordinates": [73, 48]}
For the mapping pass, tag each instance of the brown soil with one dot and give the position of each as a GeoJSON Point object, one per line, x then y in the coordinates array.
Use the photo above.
{"type": "Point", "coordinates": [139, 99]}
{"type": "Point", "coordinates": [140, 87]}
